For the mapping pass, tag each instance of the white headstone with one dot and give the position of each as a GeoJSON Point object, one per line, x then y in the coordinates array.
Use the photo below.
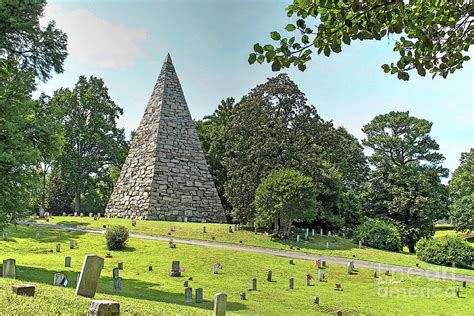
{"type": "Point", "coordinates": [89, 278]}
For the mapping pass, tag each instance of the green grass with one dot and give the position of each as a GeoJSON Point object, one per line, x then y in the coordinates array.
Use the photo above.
{"type": "Point", "coordinates": [155, 292]}
{"type": "Point", "coordinates": [339, 247]}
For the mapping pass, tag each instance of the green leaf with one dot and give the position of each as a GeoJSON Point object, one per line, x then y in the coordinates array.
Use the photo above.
{"type": "Point", "coordinates": [302, 67]}
{"type": "Point", "coordinates": [257, 48]}
{"type": "Point", "coordinates": [386, 68]}
{"type": "Point", "coordinates": [346, 39]}
{"type": "Point", "coordinates": [268, 47]}
{"type": "Point", "coordinates": [290, 28]}
{"type": "Point", "coordinates": [276, 66]}
{"type": "Point", "coordinates": [252, 58]}
{"type": "Point", "coordinates": [327, 51]}
{"type": "Point", "coordinates": [260, 59]}
{"type": "Point", "coordinates": [275, 35]}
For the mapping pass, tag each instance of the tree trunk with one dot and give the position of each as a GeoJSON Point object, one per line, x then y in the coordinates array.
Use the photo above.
{"type": "Point", "coordinates": [411, 247]}
{"type": "Point", "coordinates": [77, 200]}
{"type": "Point", "coordinates": [43, 193]}
{"type": "Point", "coordinates": [275, 223]}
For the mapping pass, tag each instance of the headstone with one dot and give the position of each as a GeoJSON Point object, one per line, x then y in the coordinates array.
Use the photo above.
{"type": "Point", "coordinates": [327, 244]}
{"type": "Point", "coordinates": [58, 247]}
{"type": "Point", "coordinates": [9, 268]}
{"type": "Point", "coordinates": [324, 264]}
{"type": "Point", "coordinates": [292, 283]}
{"type": "Point", "coordinates": [64, 214]}
{"type": "Point", "coordinates": [306, 234]}
{"type": "Point", "coordinates": [350, 267]}
{"type": "Point", "coordinates": [375, 274]}
{"type": "Point", "coordinates": [255, 229]}
{"type": "Point", "coordinates": [321, 231]}
{"type": "Point", "coordinates": [238, 226]}
{"type": "Point", "coordinates": [198, 295]}
{"type": "Point", "coordinates": [312, 232]}
{"type": "Point", "coordinates": [175, 272]}
{"type": "Point", "coordinates": [115, 273]}
{"type": "Point", "coordinates": [243, 296]}
{"type": "Point", "coordinates": [316, 300]}
{"type": "Point", "coordinates": [134, 223]}
{"type": "Point", "coordinates": [118, 285]}
{"type": "Point", "coordinates": [81, 215]}
{"type": "Point", "coordinates": [338, 312]}
{"type": "Point", "coordinates": [308, 279]}
{"type": "Point", "coordinates": [220, 304]}
{"type": "Point", "coordinates": [37, 235]}
{"type": "Point", "coordinates": [387, 273]}
{"type": "Point", "coordinates": [73, 244]}
{"type": "Point", "coordinates": [463, 283]}
{"type": "Point", "coordinates": [360, 244]}
{"type": "Point", "coordinates": [230, 229]}
{"type": "Point", "coordinates": [235, 227]}
{"type": "Point", "coordinates": [89, 277]}
{"type": "Point", "coordinates": [254, 284]}
{"type": "Point", "coordinates": [318, 263]}
{"type": "Point", "coordinates": [269, 275]}
{"type": "Point", "coordinates": [457, 290]}
{"type": "Point", "coordinates": [24, 289]}
{"type": "Point", "coordinates": [91, 214]}
{"type": "Point", "coordinates": [58, 279]}
{"type": "Point", "coordinates": [320, 276]}
{"type": "Point", "coordinates": [204, 229]}
{"type": "Point", "coordinates": [67, 262]}
{"type": "Point", "coordinates": [291, 261]}
{"type": "Point", "coordinates": [186, 283]}
{"type": "Point", "coordinates": [150, 268]}
{"type": "Point", "coordinates": [103, 308]}
{"type": "Point", "coordinates": [188, 294]}
{"type": "Point", "coordinates": [120, 265]}
{"type": "Point", "coordinates": [5, 236]}
{"type": "Point", "coordinates": [75, 213]}
{"type": "Point", "coordinates": [298, 238]}
{"type": "Point", "coordinates": [338, 287]}
{"type": "Point", "coordinates": [329, 233]}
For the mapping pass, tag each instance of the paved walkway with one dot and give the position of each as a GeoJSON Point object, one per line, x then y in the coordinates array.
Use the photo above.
{"type": "Point", "coordinates": [277, 252]}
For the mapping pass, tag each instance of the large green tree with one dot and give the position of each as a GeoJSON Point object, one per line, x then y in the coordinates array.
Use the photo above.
{"type": "Point", "coordinates": [430, 36]}
{"type": "Point", "coordinates": [461, 192]}
{"type": "Point", "coordinates": [93, 142]}
{"type": "Point", "coordinates": [274, 128]}
{"type": "Point", "coordinates": [405, 184]}
{"type": "Point", "coordinates": [211, 130]}
{"type": "Point", "coordinates": [282, 197]}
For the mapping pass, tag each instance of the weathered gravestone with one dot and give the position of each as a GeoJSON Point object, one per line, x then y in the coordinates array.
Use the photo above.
{"type": "Point", "coordinates": [186, 283]}
{"type": "Point", "coordinates": [312, 232]}
{"type": "Point", "coordinates": [320, 276]}
{"type": "Point", "coordinates": [329, 233]}
{"type": "Point", "coordinates": [58, 247]}
{"type": "Point", "coordinates": [58, 279]}
{"type": "Point", "coordinates": [350, 267]}
{"type": "Point", "coordinates": [327, 244]}
{"type": "Point", "coordinates": [360, 244]}
{"type": "Point", "coordinates": [220, 304]}
{"type": "Point", "coordinates": [199, 295]}
{"type": "Point", "coordinates": [150, 268]}
{"type": "Point", "coordinates": [308, 279]}
{"type": "Point", "coordinates": [292, 283]}
{"type": "Point", "coordinates": [298, 238]}
{"type": "Point", "coordinates": [91, 214]}
{"type": "Point", "coordinates": [115, 273]}
{"type": "Point", "coordinates": [118, 285]}
{"type": "Point", "coordinates": [243, 296]}
{"type": "Point", "coordinates": [204, 229]}
{"type": "Point", "coordinates": [188, 294]}
{"type": "Point", "coordinates": [306, 234]}
{"type": "Point", "coordinates": [269, 275]}
{"type": "Point", "coordinates": [103, 308]}
{"type": "Point", "coordinates": [291, 261]}
{"type": "Point", "coordinates": [175, 272]}
{"type": "Point", "coordinates": [321, 231]}
{"type": "Point", "coordinates": [338, 312]}
{"type": "Point", "coordinates": [316, 300]}
{"type": "Point", "coordinates": [9, 268]}
{"type": "Point", "coordinates": [120, 265]}
{"type": "Point", "coordinates": [5, 236]}
{"type": "Point", "coordinates": [338, 287]}
{"type": "Point", "coordinates": [90, 273]}
{"type": "Point", "coordinates": [254, 284]}
{"type": "Point", "coordinates": [24, 289]}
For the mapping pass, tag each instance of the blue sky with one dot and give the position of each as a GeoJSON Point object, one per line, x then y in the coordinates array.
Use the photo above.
{"type": "Point", "coordinates": [125, 43]}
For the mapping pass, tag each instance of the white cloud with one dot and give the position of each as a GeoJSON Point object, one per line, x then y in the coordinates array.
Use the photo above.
{"type": "Point", "coordinates": [95, 41]}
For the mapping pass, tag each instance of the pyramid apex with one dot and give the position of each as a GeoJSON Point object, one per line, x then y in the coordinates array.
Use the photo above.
{"type": "Point", "coordinates": [168, 59]}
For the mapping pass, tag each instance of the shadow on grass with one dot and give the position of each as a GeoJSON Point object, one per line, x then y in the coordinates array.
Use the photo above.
{"type": "Point", "coordinates": [72, 223]}
{"type": "Point", "coordinates": [41, 234]}
{"type": "Point", "coordinates": [131, 288]}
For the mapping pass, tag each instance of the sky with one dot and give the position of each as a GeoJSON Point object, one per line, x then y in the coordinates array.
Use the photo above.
{"type": "Point", "coordinates": [125, 43]}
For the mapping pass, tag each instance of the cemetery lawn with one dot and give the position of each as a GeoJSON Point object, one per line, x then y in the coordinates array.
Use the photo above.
{"type": "Point", "coordinates": [156, 292]}
{"type": "Point", "coordinates": [339, 247]}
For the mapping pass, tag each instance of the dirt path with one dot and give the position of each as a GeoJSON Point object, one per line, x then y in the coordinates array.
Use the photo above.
{"type": "Point", "coordinates": [281, 253]}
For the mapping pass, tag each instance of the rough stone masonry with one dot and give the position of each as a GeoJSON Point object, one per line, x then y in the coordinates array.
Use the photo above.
{"type": "Point", "coordinates": [165, 175]}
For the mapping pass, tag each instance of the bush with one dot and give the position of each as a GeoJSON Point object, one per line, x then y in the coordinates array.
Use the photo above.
{"type": "Point", "coordinates": [378, 234]}
{"type": "Point", "coordinates": [116, 237]}
{"type": "Point", "coordinates": [445, 251]}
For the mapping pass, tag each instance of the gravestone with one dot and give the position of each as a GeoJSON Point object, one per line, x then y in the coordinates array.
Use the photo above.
{"type": "Point", "coordinates": [134, 223]}
{"type": "Point", "coordinates": [58, 247]}
{"type": "Point", "coordinates": [269, 275]}
{"type": "Point", "coordinates": [235, 227]}
{"type": "Point", "coordinates": [338, 312]}
{"type": "Point", "coordinates": [387, 273]}
{"type": "Point", "coordinates": [463, 283]}
{"type": "Point", "coordinates": [118, 285]}
{"type": "Point", "coordinates": [9, 268]}
{"type": "Point", "coordinates": [238, 226]}
{"type": "Point", "coordinates": [186, 283]}
{"type": "Point", "coordinates": [316, 300]}
{"type": "Point", "coordinates": [350, 267]}
{"type": "Point", "coordinates": [254, 284]}
{"type": "Point", "coordinates": [312, 232]}
{"type": "Point", "coordinates": [375, 274]}
{"type": "Point", "coordinates": [320, 276]}
{"type": "Point", "coordinates": [338, 287]}
{"type": "Point", "coordinates": [103, 308]}
{"type": "Point", "coordinates": [321, 231]}
{"type": "Point", "coordinates": [115, 273]}
{"type": "Point", "coordinates": [120, 265]}
{"type": "Point", "coordinates": [24, 289]}
{"type": "Point", "coordinates": [292, 283]}
{"type": "Point", "coordinates": [220, 304]}
{"type": "Point", "coordinates": [67, 262]}
{"type": "Point", "coordinates": [457, 290]}
{"type": "Point", "coordinates": [150, 268]}
{"type": "Point", "coordinates": [308, 279]}
{"type": "Point", "coordinates": [318, 263]}
{"type": "Point", "coordinates": [298, 238]}
{"type": "Point", "coordinates": [230, 229]}
{"type": "Point", "coordinates": [64, 214]}
{"type": "Point", "coordinates": [75, 213]}
{"type": "Point", "coordinates": [204, 229]}
{"type": "Point", "coordinates": [324, 264]}
{"type": "Point", "coordinates": [175, 272]}
{"type": "Point", "coordinates": [81, 215]}
{"type": "Point", "coordinates": [89, 278]}
{"type": "Point", "coordinates": [37, 235]}
{"type": "Point", "coordinates": [5, 236]}
{"type": "Point", "coordinates": [58, 278]}
{"type": "Point", "coordinates": [327, 245]}
{"type": "Point", "coordinates": [188, 294]}
{"type": "Point", "coordinates": [306, 234]}
{"type": "Point", "coordinates": [329, 233]}
{"type": "Point", "coordinates": [73, 244]}
{"type": "Point", "coordinates": [243, 296]}
{"type": "Point", "coordinates": [291, 261]}
{"type": "Point", "coordinates": [199, 295]}
{"type": "Point", "coordinates": [91, 214]}
{"type": "Point", "coordinates": [360, 244]}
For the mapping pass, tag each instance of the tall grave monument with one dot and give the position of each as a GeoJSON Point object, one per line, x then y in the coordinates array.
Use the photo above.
{"type": "Point", "coordinates": [165, 175]}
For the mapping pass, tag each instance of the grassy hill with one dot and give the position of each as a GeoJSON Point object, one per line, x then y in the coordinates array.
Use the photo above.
{"type": "Point", "coordinates": [339, 247]}
{"type": "Point", "coordinates": [155, 292]}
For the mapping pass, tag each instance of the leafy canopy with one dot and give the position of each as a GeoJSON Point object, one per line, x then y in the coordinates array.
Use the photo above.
{"type": "Point", "coordinates": [429, 36]}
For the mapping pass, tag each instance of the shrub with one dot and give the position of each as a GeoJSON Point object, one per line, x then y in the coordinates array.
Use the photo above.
{"type": "Point", "coordinates": [378, 234]}
{"type": "Point", "coordinates": [116, 237]}
{"type": "Point", "coordinates": [445, 251]}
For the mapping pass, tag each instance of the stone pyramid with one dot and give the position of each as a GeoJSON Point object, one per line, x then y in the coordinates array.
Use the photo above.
{"type": "Point", "coordinates": [165, 175]}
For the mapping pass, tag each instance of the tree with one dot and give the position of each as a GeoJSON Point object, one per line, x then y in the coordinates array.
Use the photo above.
{"type": "Point", "coordinates": [211, 130]}
{"type": "Point", "coordinates": [283, 197]}
{"type": "Point", "coordinates": [405, 184]}
{"type": "Point", "coordinates": [22, 39]}
{"type": "Point", "coordinates": [430, 36]}
{"type": "Point", "coordinates": [461, 191]}
{"type": "Point", "coordinates": [93, 142]}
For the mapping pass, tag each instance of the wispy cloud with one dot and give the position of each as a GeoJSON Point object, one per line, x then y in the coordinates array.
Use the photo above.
{"type": "Point", "coordinates": [95, 41]}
